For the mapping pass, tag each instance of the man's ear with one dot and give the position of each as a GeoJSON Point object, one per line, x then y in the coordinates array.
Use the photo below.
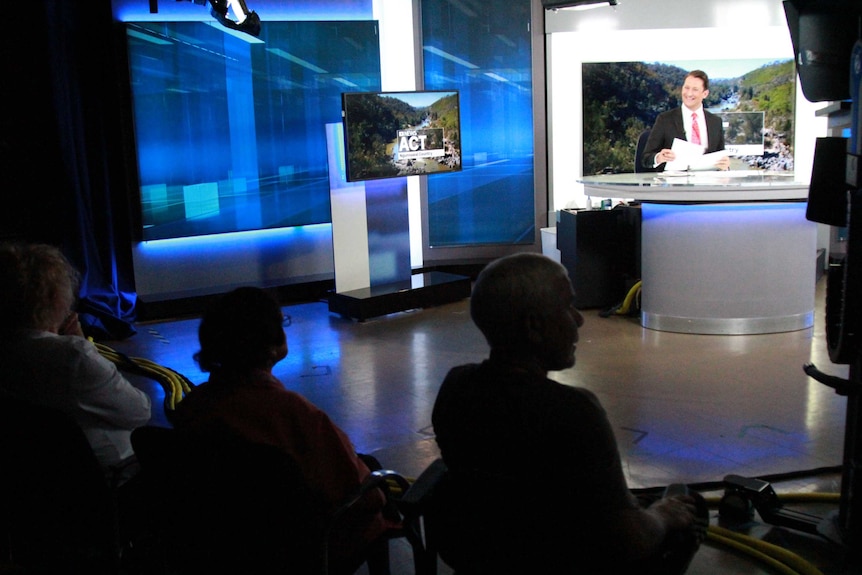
{"type": "Point", "coordinates": [534, 328]}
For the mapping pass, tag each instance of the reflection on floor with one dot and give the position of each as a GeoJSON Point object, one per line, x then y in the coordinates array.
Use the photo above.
{"type": "Point", "coordinates": [685, 408]}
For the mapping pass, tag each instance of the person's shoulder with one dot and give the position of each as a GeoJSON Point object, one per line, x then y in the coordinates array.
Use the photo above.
{"type": "Point", "coordinates": [54, 347]}
{"type": "Point", "coordinates": [712, 118]}
{"type": "Point", "coordinates": [459, 373]}
{"type": "Point", "coordinates": [275, 391]}
{"type": "Point", "coordinates": [266, 384]}
{"type": "Point", "coordinates": [565, 396]}
{"type": "Point", "coordinates": [668, 114]}
{"type": "Point", "coordinates": [465, 368]}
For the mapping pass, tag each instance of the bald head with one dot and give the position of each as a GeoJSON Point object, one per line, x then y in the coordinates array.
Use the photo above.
{"type": "Point", "coordinates": [521, 301]}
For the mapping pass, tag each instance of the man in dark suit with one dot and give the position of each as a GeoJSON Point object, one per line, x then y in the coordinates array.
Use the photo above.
{"type": "Point", "coordinates": [688, 122]}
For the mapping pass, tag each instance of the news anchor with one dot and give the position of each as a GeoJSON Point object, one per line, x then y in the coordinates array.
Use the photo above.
{"type": "Point", "coordinates": [689, 122]}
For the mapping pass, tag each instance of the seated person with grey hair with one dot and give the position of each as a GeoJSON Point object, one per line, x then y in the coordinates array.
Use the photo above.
{"type": "Point", "coordinates": [48, 362]}
{"type": "Point", "coordinates": [535, 482]}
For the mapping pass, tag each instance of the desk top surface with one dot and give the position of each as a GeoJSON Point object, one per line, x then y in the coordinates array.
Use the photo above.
{"type": "Point", "coordinates": [708, 186]}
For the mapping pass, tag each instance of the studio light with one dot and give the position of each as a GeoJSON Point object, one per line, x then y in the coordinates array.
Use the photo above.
{"type": "Point", "coordinates": [244, 20]}
{"type": "Point", "coordinates": [576, 4]}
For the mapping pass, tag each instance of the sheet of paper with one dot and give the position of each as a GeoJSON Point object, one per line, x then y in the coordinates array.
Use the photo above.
{"type": "Point", "coordinates": [691, 157]}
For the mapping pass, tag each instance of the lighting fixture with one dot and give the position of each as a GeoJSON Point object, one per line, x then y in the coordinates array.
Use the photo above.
{"type": "Point", "coordinates": [577, 4]}
{"type": "Point", "coordinates": [244, 20]}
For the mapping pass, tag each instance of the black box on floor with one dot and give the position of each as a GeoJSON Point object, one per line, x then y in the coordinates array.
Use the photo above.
{"type": "Point", "coordinates": [421, 290]}
{"type": "Point", "coordinates": [601, 251]}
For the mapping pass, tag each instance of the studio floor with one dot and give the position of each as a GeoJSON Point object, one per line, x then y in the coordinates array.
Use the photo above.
{"type": "Point", "coordinates": [685, 408]}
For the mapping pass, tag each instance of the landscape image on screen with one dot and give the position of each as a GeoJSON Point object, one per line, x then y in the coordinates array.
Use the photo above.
{"type": "Point", "coordinates": [394, 134]}
{"type": "Point", "coordinates": [754, 97]}
{"type": "Point", "coordinates": [744, 133]}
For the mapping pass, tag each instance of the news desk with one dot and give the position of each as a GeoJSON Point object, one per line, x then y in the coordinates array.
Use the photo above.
{"type": "Point", "coordinates": [721, 252]}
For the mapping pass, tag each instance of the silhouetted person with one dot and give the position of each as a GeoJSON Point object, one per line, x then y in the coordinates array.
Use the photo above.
{"type": "Point", "coordinates": [535, 482]}
{"type": "Point", "coordinates": [242, 338]}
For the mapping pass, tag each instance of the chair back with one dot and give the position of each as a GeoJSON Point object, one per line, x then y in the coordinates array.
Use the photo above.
{"type": "Point", "coordinates": [227, 505]}
{"type": "Point", "coordinates": [57, 510]}
{"type": "Point", "coordinates": [416, 506]}
{"type": "Point", "coordinates": [639, 150]}
{"type": "Point", "coordinates": [482, 523]}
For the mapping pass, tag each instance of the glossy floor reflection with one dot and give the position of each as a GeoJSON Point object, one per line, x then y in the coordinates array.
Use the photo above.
{"type": "Point", "coordinates": [685, 408]}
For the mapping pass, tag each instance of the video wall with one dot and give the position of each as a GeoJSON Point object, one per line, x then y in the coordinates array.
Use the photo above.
{"type": "Point", "coordinates": [486, 55]}
{"type": "Point", "coordinates": [754, 97]}
{"type": "Point", "coordinates": [230, 129]}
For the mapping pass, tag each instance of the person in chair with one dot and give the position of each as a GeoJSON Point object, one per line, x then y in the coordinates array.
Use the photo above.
{"type": "Point", "coordinates": [47, 360]}
{"type": "Point", "coordinates": [241, 339]}
{"type": "Point", "coordinates": [534, 482]}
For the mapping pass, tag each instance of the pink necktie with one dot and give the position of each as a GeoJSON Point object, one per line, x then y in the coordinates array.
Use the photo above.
{"type": "Point", "coordinates": [695, 130]}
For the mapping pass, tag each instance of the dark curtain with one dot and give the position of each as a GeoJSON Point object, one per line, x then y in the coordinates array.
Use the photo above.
{"type": "Point", "coordinates": [66, 172]}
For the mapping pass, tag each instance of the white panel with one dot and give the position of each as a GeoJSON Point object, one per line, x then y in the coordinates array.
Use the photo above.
{"type": "Point", "coordinates": [727, 268]}
{"type": "Point", "coordinates": [651, 15]}
{"type": "Point", "coordinates": [398, 73]}
{"type": "Point", "coordinates": [349, 220]}
{"type": "Point", "coordinates": [397, 56]}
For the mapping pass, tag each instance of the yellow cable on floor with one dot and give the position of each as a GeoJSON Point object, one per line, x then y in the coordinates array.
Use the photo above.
{"type": "Point", "coordinates": [772, 555]}
{"type": "Point", "coordinates": [758, 548]}
{"type": "Point", "coordinates": [749, 550]}
{"type": "Point", "coordinates": [810, 497]}
{"type": "Point", "coordinates": [174, 383]}
{"type": "Point", "coordinates": [630, 296]}
{"type": "Point", "coordinates": [806, 497]}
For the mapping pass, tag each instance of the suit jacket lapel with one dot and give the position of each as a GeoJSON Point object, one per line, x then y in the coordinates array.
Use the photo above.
{"type": "Point", "coordinates": [678, 126]}
{"type": "Point", "coordinates": [711, 133]}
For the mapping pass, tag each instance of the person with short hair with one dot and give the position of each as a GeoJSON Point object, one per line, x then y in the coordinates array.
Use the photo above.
{"type": "Point", "coordinates": [241, 339]}
{"type": "Point", "coordinates": [535, 481]}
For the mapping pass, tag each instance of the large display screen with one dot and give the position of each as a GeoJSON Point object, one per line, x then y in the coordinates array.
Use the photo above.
{"type": "Point", "coordinates": [754, 97]}
{"type": "Point", "coordinates": [230, 130]}
{"type": "Point", "coordinates": [394, 134]}
{"type": "Point", "coordinates": [744, 133]}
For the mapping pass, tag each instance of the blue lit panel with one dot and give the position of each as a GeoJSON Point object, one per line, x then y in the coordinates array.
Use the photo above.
{"type": "Point", "coordinates": [715, 214]}
{"type": "Point", "coordinates": [230, 132]}
{"type": "Point", "coordinates": [214, 247]}
{"type": "Point", "coordinates": [486, 55]}
{"type": "Point", "coordinates": [388, 231]}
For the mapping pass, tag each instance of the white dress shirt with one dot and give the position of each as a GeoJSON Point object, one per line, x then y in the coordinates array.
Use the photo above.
{"type": "Point", "coordinates": [69, 374]}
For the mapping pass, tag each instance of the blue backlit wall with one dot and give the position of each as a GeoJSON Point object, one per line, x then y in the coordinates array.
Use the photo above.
{"type": "Point", "coordinates": [206, 264]}
{"type": "Point", "coordinates": [265, 170]}
{"type": "Point", "coordinates": [487, 56]}
{"type": "Point", "coordinates": [230, 129]}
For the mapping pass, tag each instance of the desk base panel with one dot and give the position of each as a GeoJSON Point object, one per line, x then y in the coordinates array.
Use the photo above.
{"type": "Point", "coordinates": [728, 268]}
{"type": "Point", "coordinates": [727, 326]}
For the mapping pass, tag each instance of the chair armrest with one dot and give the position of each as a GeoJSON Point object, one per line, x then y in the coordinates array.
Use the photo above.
{"type": "Point", "coordinates": [424, 485]}
{"type": "Point", "coordinates": [390, 482]}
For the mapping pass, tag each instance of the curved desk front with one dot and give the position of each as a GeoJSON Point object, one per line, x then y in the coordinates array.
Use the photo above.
{"type": "Point", "coordinates": [721, 252]}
